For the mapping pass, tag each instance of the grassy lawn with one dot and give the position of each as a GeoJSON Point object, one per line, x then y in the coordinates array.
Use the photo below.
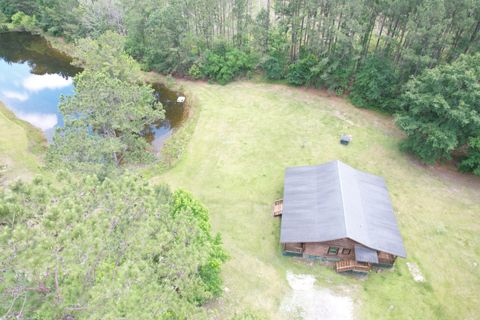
{"type": "Point", "coordinates": [248, 133]}
{"type": "Point", "coordinates": [20, 143]}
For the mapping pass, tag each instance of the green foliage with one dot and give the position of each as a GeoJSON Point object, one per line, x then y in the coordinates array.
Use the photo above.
{"type": "Point", "coordinates": [61, 17]}
{"type": "Point", "coordinates": [335, 75]}
{"type": "Point", "coordinates": [375, 85]}
{"type": "Point", "coordinates": [472, 162]}
{"type": "Point", "coordinates": [183, 202]}
{"type": "Point", "coordinates": [225, 64]}
{"type": "Point", "coordinates": [24, 22]}
{"type": "Point", "coordinates": [11, 7]}
{"type": "Point", "coordinates": [3, 18]}
{"type": "Point", "coordinates": [440, 111]}
{"type": "Point", "coordinates": [158, 35]}
{"type": "Point", "coordinates": [104, 121]}
{"type": "Point", "coordinates": [274, 68]}
{"type": "Point", "coordinates": [300, 73]}
{"type": "Point", "coordinates": [109, 249]}
{"type": "Point", "coordinates": [106, 54]}
{"type": "Point", "coordinates": [195, 71]}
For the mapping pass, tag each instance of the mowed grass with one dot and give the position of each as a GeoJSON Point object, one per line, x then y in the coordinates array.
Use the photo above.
{"type": "Point", "coordinates": [20, 146]}
{"type": "Point", "coordinates": [248, 133]}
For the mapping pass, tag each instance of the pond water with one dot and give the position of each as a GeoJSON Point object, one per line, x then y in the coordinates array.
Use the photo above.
{"type": "Point", "coordinates": [33, 76]}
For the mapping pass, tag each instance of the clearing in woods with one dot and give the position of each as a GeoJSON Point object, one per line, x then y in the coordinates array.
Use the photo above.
{"type": "Point", "coordinates": [248, 133]}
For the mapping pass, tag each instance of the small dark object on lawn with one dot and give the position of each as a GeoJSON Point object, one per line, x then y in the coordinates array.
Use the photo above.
{"type": "Point", "coordinates": [345, 139]}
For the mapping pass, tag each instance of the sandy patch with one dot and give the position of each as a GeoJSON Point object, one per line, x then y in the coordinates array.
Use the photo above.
{"type": "Point", "coordinates": [309, 302]}
{"type": "Point", "coordinates": [415, 272]}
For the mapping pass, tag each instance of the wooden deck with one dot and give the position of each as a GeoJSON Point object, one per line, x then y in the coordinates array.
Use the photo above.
{"type": "Point", "coordinates": [278, 208]}
{"type": "Point", "coordinates": [352, 265]}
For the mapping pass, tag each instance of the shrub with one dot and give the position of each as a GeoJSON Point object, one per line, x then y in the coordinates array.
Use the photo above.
{"type": "Point", "coordinates": [195, 72]}
{"type": "Point", "coordinates": [183, 202]}
{"type": "Point", "coordinates": [24, 22]}
{"type": "Point", "coordinates": [274, 68]}
{"type": "Point", "coordinates": [472, 162]}
{"type": "Point", "coordinates": [375, 84]}
{"type": "Point", "coordinates": [300, 73]}
{"type": "Point", "coordinates": [224, 64]}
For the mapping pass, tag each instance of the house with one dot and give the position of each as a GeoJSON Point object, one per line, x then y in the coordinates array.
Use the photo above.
{"type": "Point", "coordinates": [336, 213]}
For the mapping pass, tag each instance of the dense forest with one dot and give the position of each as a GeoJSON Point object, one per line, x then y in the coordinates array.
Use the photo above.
{"type": "Point", "coordinates": [369, 50]}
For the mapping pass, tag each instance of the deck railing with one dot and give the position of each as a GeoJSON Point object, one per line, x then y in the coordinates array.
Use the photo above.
{"type": "Point", "coordinates": [352, 265]}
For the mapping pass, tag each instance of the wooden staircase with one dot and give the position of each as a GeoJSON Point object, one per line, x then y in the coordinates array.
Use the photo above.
{"type": "Point", "coordinates": [352, 265]}
{"type": "Point", "coordinates": [278, 208]}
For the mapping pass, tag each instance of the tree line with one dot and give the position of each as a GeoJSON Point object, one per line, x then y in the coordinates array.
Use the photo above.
{"type": "Point", "coordinates": [376, 51]}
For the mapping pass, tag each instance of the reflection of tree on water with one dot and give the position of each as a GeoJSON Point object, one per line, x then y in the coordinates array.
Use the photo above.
{"type": "Point", "coordinates": [43, 60]}
{"type": "Point", "coordinates": [175, 114]}
{"type": "Point", "coordinates": [22, 47]}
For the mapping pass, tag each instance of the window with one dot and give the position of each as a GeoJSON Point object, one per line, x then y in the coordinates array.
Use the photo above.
{"type": "Point", "coordinates": [346, 251]}
{"type": "Point", "coordinates": [333, 250]}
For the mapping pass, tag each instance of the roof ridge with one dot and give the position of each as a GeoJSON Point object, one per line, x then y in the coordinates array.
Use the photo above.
{"type": "Point", "coordinates": [337, 162]}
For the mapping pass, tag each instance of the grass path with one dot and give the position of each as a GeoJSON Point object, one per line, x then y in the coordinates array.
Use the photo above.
{"type": "Point", "coordinates": [19, 142]}
{"type": "Point", "coordinates": [248, 133]}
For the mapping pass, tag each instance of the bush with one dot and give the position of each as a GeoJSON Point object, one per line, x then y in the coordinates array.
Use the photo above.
{"type": "Point", "coordinates": [300, 73]}
{"type": "Point", "coordinates": [183, 202]}
{"type": "Point", "coordinates": [375, 84]}
{"type": "Point", "coordinates": [223, 64]}
{"type": "Point", "coordinates": [274, 68]}
{"type": "Point", "coordinates": [472, 162]}
{"type": "Point", "coordinates": [195, 71]}
{"type": "Point", "coordinates": [24, 22]}
{"type": "Point", "coordinates": [335, 75]}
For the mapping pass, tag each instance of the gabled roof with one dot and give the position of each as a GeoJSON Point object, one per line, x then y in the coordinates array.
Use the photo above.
{"type": "Point", "coordinates": [334, 201]}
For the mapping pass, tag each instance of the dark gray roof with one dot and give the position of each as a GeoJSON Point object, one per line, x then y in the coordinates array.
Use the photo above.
{"type": "Point", "coordinates": [364, 254]}
{"type": "Point", "coordinates": [334, 201]}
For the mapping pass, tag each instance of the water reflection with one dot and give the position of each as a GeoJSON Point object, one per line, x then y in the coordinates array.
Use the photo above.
{"type": "Point", "coordinates": [175, 115]}
{"type": "Point", "coordinates": [33, 76]}
{"type": "Point", "coordinates": [46, 81]}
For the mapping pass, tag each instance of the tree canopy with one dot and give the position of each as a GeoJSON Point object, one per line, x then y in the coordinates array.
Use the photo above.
{"type": "Point", "coordinates": [118, 248]}
{"type": "Point", "coordinates": [441, 112]}
{"type": "Point", "coordinates": [104, 121]}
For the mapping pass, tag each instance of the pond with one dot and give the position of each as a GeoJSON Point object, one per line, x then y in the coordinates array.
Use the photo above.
{"type": "Point", "coordinates": [33, 76]}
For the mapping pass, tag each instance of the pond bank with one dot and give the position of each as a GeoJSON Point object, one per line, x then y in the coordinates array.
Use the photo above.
{"type": "Point", "coordinates": [21, 147]}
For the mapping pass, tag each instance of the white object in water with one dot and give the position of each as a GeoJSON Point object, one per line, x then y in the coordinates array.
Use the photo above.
{"type": "Point", "coordinates": [181, 99]}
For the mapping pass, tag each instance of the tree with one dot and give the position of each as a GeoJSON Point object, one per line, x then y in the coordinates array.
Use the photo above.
{"type": "Point", "coordinates": [104, 121]}
{"type": "Point", "coordinates": [60, 17]}
{"type": "Point", "coordinates": [22, 21]}
{"type": "Point", "coordinates": [441, 111]}
{"type": "Point", "coordinates": [471, 163]}
{"type": "Point", "coordinates": [84, 248]}
{"type": "Point", "coordinates": [106, 54]}
{"type": "Point", "coordinates": [101, 16]}
{"type": "Point", "coordinates": [375, 85]}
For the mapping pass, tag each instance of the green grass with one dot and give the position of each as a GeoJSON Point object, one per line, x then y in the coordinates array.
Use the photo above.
{"type": "Point", "coordinates": [21, 146]}
{"type": "Point", "coordinates": [248, 133]}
